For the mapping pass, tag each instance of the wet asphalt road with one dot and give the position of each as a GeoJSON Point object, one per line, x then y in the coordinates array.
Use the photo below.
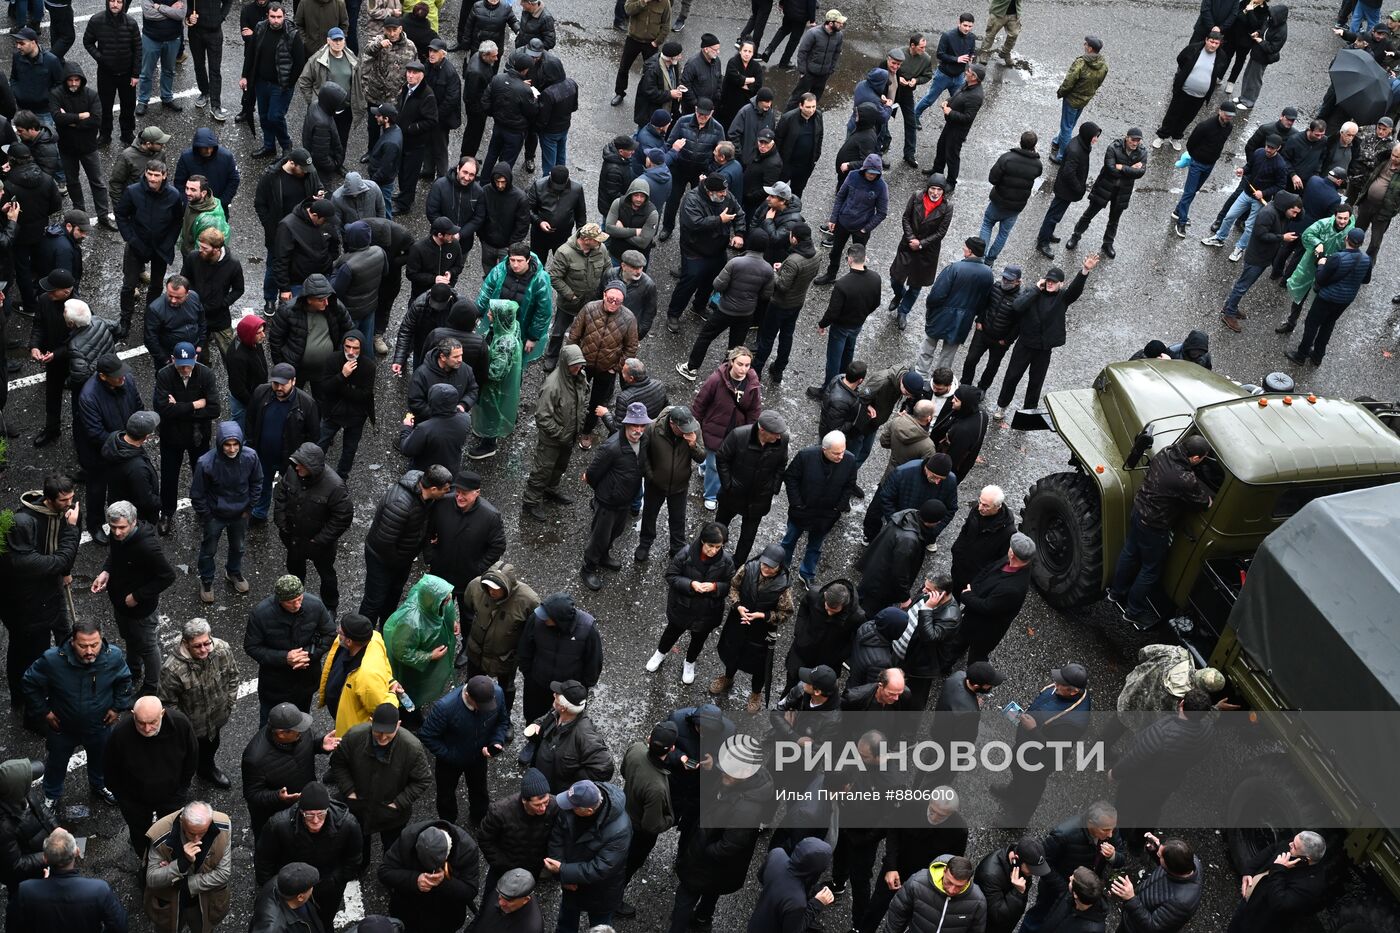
{"type": "Point", "coordinates": [1158, 287]}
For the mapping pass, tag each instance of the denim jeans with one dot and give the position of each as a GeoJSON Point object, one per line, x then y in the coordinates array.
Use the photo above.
{"type": "Point", "coordinates": [906, 295]}
{"type": "Point", "coordinates": [505, 146]}
{"type": "Point", "coordinates": [1364, 17]}
{"type": "Point", "coordinates": [273, 102]}
{"type": "Point", "coordinates": [1248, 276]}
{"type": "Point", "coordinates": [157, 53]}
{"type": "Point", "coordinates": [389, 187]}
{"type": "Point", "coordinates": [840, 350]}
{"type": "Point", "coordinates": [1242, 204]}
{"type": "Point", "coordinates": [813, 553]}
{"type": "Point", "coordinates": [696, 282]}
{"type": "Point", "coordinates": [1069, 116]}
{"type": "Point", "coordinates": [940, 83]}
{"type": "Point", "coordinates": [711, 477]}
{"type": "Point", "coordinates": [209, 545]}
{"type": "Point", "coordinates": [269, 466]}
{"type": "Point", "coordinates": [554, 150]}
{"type": "Point", "coordinates": [61, 746]}
{"type": "Point", "coordinates": [1196, 176]}
{"type": "Point", "coordinates": [860, 446]}
{"type": "Point", "coordinates": [237, 412]}
{"type": "Point", "coordinates": [1140, 564]}
{"type": "Point", "coordinates": [1005, 221]}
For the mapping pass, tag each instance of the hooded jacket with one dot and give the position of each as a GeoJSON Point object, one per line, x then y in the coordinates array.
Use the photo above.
{"type": "Point", "coordinates": [245, 361]}
{"type": "Point", "coordinates": [871, 90]}
{"type": "Point", "coordinates": [400, 524]}
{"type": "Point", "coordinates": [440, 437]}
{"type": "Point", "coordinates": [39, 552]}
{"type": "Point", "coordinates": [464, 204]}
{"type": "Point", "coordinates": [701, 612]}
{"type": "Point", "coordinates": [358, 198]}
{"type": "Point", "coordinates": [222, 486]}
{"type": "Point", "coordinates": [287, 331]}
{"type": "Point", "coordinates": [444, 908]}
{"type": "Point", "coordinates": [429, 374]}
{"type": "Point", "coordinates": [132, 476]}
{"type": "Point", "coordinates": [1194, 349]}
{"type": "Point", "coordinates": [507, 212]}
{"type": "Point", "coordinates": [872, 649]}
{"type": "Point", "coordinates": [715, 860]}
{"type": "Point", "coordinates": [787, 903]}
{"type": "Point", "coordinates": [570, 649]}
{"type": "Point", "coordinates": [138, 567]}
{"type": "Point", "coordinates": [1072, 180]}
{"type": "Point", "coordinates": [1275, 37]}
{"type": "Point", "coordinates": [220, 168]}
{"type": "Point", "coordinates": [1083, 80]}
{"type": "Point", "coordinates": [563, 400]}
{"type": "Point", "coordinates": [496, 625]}
{"type": "Point", "coordinates": [76, 136]}
{"type": "Point", "coordinates": [1269, 226]}
{"type": "Point", "coordinates": [358, 273]}
{"type": "Point", "coordinates": [319, 134]}
{"type": "Point", "coordinates": [78, 694]}
{"type": "Point", "coordinates": [921, 906]}
{"type": "Point", "coordinates": [422, 623]}
{"type": "Point", "coordinates": [959, 433]}
{"type": "Point", "coordinates": [593, 850]}
{"type": "Point", "coordinates": [312, 512]}
{"type": "Point", "coordinates": [622, 221]}
{"type": "Point", "coordinates": [864, 141]}
{"type": "Point", "coordinates": [24, 824]}
{"type": "Point", "coordinates": [272, 631]}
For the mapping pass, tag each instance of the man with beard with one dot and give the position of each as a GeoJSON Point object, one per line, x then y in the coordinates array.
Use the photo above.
{"type": "Point", "coordinates": [272, 63]}
{"type": "Point", "coordinates": [312, 511]}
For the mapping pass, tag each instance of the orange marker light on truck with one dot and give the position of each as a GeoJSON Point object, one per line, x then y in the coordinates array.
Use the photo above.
{"type": "Point", "coordinates": [1099, 468]}
{"type": "Point", "coordinates": [1263, 403]}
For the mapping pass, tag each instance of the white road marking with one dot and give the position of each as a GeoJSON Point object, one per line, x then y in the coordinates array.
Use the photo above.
{"type": "Point", "coordinates": [155, 101]}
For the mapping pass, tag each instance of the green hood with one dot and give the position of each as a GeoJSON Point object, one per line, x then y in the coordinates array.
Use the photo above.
{"type": "Point", "coordinates": [422, 623]}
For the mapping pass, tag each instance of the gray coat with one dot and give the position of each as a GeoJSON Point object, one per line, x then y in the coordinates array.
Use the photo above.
{"type": "Point", "coordinates": [745, 280]}
{"type": "Point", "coordinates": [819, 51]}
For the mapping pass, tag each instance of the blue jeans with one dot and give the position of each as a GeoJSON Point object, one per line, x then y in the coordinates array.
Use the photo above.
{"type": "Point", "coordinates": [813, 553]}
{"type": "Point", "coordinates": [940, 83]}
{"type": "Point", "coordinates": [1005, 221]}
{"type": "Point", "coordinates": [365, 325]}
{"type": "Point", "coordinates": [1196, 176]}
{"type": "Point", "coordinates": [860, 446]}
{"type": "Point", "coordinates": [840, 350]}
{"type": "Point", "coordinates": [1248, 276]}
{"type": "Point", "coordinates": [389, 187]}
{"type": "Point", "coordinates": [1140, 564]}
{"type": "Point", "coordinates": [1069, 116]}
{"type": "Point", "coordinates": [273, 102]}
{"type": "Point", "coordinates": [269, 470]}
{"type": "Point", "coordinates": [554, 150]}
{"type": "Point", "coordinates": [711, 477]}
{"type": "Point", "coordinates": [153, 53]}
{"type": "Point", "coordinates": [209, 545]}
{"type": "Point", "coordinates": [1364, 17]}
{"type": "Point", "coordinates": [906, 295]}
{"type": "Point", "coordinates": [237, 412]}
{"type": "Point", "coordinates": [31, 10]}
{"type": "Point", "coordinates": [61, 746]}
{"type": "Point", "coordinates": [1242, 204]}
{"type": "Point", "coordinates": [505, 145]}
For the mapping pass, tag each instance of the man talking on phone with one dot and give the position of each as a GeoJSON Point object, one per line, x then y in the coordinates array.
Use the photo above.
{"type": "Point", "coordinates": [1283, 886]}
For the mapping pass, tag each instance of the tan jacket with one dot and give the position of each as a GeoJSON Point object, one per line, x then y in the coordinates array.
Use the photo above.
{"type": "Point", "coordinates": [906, 440]}
{"type": "Point", "coordinates": [163, 876]}
{"type": "Point", "coordinates": [605, 339]}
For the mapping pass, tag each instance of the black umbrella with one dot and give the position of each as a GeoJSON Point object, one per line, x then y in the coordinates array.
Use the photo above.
{"type": "Point", "coordinates": [1361, 87]}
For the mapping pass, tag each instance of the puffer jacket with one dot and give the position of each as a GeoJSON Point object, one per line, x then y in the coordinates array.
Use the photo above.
{"type": "Point", "coordinates": [334, 851]}
{"type": "Point", "coordinates": [131, 475]}
{"type": "Point", "coordinates": [76, 135]}
{"type": "Point", "coordinates": [998, 316]}
{"type": "Point", "coordinates": [566, 752]}
{"type": "Point", "coordinates": [862, 204]}
{"type": "Point", "coordinates": [78, 694]}
{"type": "Point", "coordinates": [700, 141]}
{"type": "Point", "coordinates": [39, 199]}
{"type": "Point", "coordinates": [269, 765]}
{"type": "Point", "coordinates": [702, 612]}
{"type": "Point", "coordinates": [563, 400]}
{"type": "Point", "coordinates": [794, 279]}
{"type": "Point", "coordinates": [464, 204]}
{"type": "Point", "coordinates": [313, 511]}
{"type": "Point", "coordinates": [721, 404]}
{"type": "Point", "coordinates": [204, 689]}
{"type": "Point", "coordinates": [85, 346]}
{"type": "Point", "coordinates": [510, 837]}
{"type": "Point", "coordinates": [1113, 186]}
{"type": "Point", "coordinates": [615, 473]}
{"type": "Point", "coordinates": [220, 168]}
{"type": "Point", "coordinates": [319, 135]}
{"type": "Point", "coordinates": [488, 20]}
{"type": "Point", "coordinates": [1340, 278]}
{"type": "Point", "coordinates": [843, 409]}
{"type": "Point", "coordinates": [114, 42]}
{"type": "Point", "coordinates": [744, 284]}
{"type": "Point", "coordinates": [496, 628]}
{"type": "Point", "coordinates": [570, 649]}
{"type": "Point", "coordinates": [606, 338]}
{"type": "Point", "coordinates": [594, 851]}
{"type": "Point", "coordinates": [921, 906]}
{"type": "Point", "coordinates": [750, 472]}
{"type": "Point", "coordinates": [1013, 178]}
{"type": "Point", "coordinates": [39, 552]}
{"type": "Point", "coordinates": [906, 439]}
{"type": "Point", "coordinates": [1005, 904]}
{"type": "Point", "coordinates": [1162, 903]}
{"type": "Point", "coordinates": [286, 332]}
{"type": "Point", "coordinates": [872, 649]}
{"type": "Point", "coordinates": [667, 460]}
{"type": "Point", "coordinates": [1083, 80]}
{"type": "Point", "coordinates": [149, 221]}
{"type": "Point", "coordinates": [273, 631]}
{"type": "Point", "coordinates": [440, 436]}
{"type": "Point", "coordinates": [225, 487]}
{"type": "Point", "coordinates": [614, 178]}
{"type": "Point", "coordinates": [24, 824]}
{"type": "Point", "coordinates": [893, 560]}
{"type": "Point", "coordinates": [168, 324]}
{"type": "Point", "coordinates": [872, 90]}
{"type": "Point", "coordinates": [819, 51]}
{"type": "Point", "coordinates": [1072, 180]}
{"type": "Point", "coordinates": [400, 524]}
{"type": "Point", "coordinates": [358, 273]}
{"type": "Point", "coordinates": [456, 735]}
{"type": "Point", "coordinates": [577, 276]}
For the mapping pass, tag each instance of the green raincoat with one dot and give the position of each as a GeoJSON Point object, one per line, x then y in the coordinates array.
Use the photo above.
{"type": "Point", "coordinates": [1325, 232]}
{"type": "Point", "coordinates": [424, 621]}
{"type": "Point", "coordinates": [496, 409]}
{"type": "Point", "coordinates": [536, 304]}
{"type": "Point", "coordinates": [199, 217]}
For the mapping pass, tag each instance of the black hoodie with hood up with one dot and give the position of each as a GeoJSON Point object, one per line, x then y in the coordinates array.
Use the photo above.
{"type": "Point", "coordinates": [507, 211]}
{"type": "Point", "coordinates": [960, 433]}
{"type": "Point", "coordinates": [76, 136]}
{"type": "Point", "coordinates": [438, 438]}
{"type": "Point", "coordinates": [319, 135]}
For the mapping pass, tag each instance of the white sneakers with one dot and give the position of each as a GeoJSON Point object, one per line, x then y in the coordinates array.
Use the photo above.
{"type": "Point", "coordinates": [654, 662]}
{"type": "Point", "coordinates": [1237, 255]}
{"type": "Point", "coordinates": [1176, 145]}
{"type": "Point", "coordinates": [711, 504]}
{"type": "Point", "coordinates": [1229, 87]}
{"type": "Point", "coordinates": [999, 414]}
{"type": "Point", "coordinates": [688, 673]}
{"type": "Point", "coordinates": [1157, 142]}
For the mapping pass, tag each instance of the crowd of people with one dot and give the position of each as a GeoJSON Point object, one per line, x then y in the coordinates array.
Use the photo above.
{"type": "Point", "coordinates": [420, 680]}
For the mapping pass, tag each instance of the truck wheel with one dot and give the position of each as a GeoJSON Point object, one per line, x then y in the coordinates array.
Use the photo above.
{"type": "Point", "coordinates": [1064, 518]}
{"type": "Point", "coordinates": [1273, 805]}
{"type": "Point", "coordinates": [1364, 914]}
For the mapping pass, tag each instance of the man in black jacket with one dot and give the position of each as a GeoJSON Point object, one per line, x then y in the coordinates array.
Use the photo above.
{"type": "Point", "coordinates": [1167, 898]}
{"type": "Point", "coordinates": [312, 511]}
{"type": "Point", "coordinates": [458, 196]}
{"type": "Point", "coordinates": [131, 474]}
{"type": "Point", "coordinates": [442, 367]}
{"type": "Point", "coordinates": [1204, 146]}
{"type": "Point", "coordinates": [983, 538]}
{"type": "Point", "coordinates": [512, 106]}
{"type": "Point", "coordinates": [1004, 875]}
{"type": "Point", "coordinates": [279, 763]}
{"type": "Point", "coordinates": [320, 832]}
{"type": "Point", "coordinates": [284, 185]}
{"type": "Point", "coordinates": [396, 535]}
{"type": "Point", "coordinates": [616, 477]}
{"type": "Point", "coordinates": [750, 463]}
{"type": "Point", "coordinates": [993, 599]}
{"type": "Point", "coordinates": [216, 276]}
{"type": "Point", "coordinates": [149, 214]}
{"type": "Point", "coordinates": [1040, 315]}
{"type": "Point", "coordinates": [1071, 184]}
{"type": "Point", "coordinates": [434, 260]}
{"type": "Point", "coordinates": [186, 398]}
{"type": "Point", "coordinates": [418, 118]}
{"type": "Point", "coordinates": [135, 574]}
{"type": "Point", "coordinates": [466, 535]}
{"type": "Point", "coordinates": [297, 335]}
{"type": "Point", "coordinates": [272, 62]}
{"type": "Point", "coordinates": [959, 112]}
{"type": "Point", "coordinates": [1089, 840]}
{"type": "Point", "coordinates": [306, 244]}
{"type": "Point", "coordinates": [349, 401]}
{"type": "Point", "coordinates": [892, 562]}
{"type": "Point", "coordinates": [151, 758]}
{"type": "Point", "coordinates": [853, 300]}
{"type": "Point", "coordinates": [76, 111]}
{"type": "Point", "coordinates": [711, 222]}
{"type": "Point", "coordinates": [937, 831]}
{"type": "Point", "coordinates": [1013, 178]}
{"type": "Point", "coordinates": [288, 635]}
{"type": "Point", "coordinates": [1157, 760]}
{"type": "Point", "coordinates": [827, 620]}
{"type": "Point", "coordinates": [113, 40]}
{"type": "Point", "coordinates": [281, 417]}
{"type": "Point", "coordinates": [1170, 488]}
{"type": "Point", "coordinates": [479, 70]}
{"type": "Point", "coordinates": [1123, 164]}
{"type": "Point", "coordinates": [441, 76]}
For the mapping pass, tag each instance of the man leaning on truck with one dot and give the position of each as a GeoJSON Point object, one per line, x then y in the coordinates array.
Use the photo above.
{"type": "Point", "coordinates": [1171, 487]}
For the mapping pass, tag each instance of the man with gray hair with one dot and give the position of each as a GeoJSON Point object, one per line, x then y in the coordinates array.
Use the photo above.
{"type": "Point", "coordinates": [993, 599]}
{"type": "Point", "coordinates": [637, 386]}
{"type": "Point", "coordinates": [134, 575]}
{"type": "Point", "coordinates": [1285, 885]}
{"type": "Point", "coordinates": [63, 899]}
{"type": "Point", "coordinates": [983, 538]}
{"type": "Point", "coordinates": [188, 867]}
{"type": "Point", "coordinates": [820, 482]}
{"type": "Point", "coordinates": [200, 679]}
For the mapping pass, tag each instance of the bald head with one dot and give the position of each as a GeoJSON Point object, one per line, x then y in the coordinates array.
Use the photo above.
{"type": "Point", "coordinates": [148, 713]}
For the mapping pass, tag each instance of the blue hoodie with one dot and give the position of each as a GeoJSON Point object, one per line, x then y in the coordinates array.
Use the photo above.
{"type": "Point", "coordinates": [221, 168]}
{"type": "Point", "coordinates": [647, 137]}
{"type": "Point", "coordinates": [223, 486]}
{"type": "Point", "coordinates": [870, 91]}
{"type": "Point", "coordinates": [862, 204]}
{"type": "Point", "coordinates": [659, 178]}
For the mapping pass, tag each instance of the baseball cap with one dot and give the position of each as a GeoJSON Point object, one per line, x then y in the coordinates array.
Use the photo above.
{"type": "Point", "coordinates": [154, 134]}
{"type": "Point", "coordinates": [444, 224]}
{"type": "Point", "coordinates": [704, 105]}
{"type": "Point", "coordinates": [184, 354]}
{"type": "Point", "coordinates": [1054, 274]}
{"type": "Point", "coordinates": [283, 373]}
{"type": "Point", "coordinates": [393, 21]}
{"type": "Point", "coordinates": [779, 189]}
{"type": "Point", "coordinates": [1032, 855]}
{"type": "Point", "coordinates": [482, 690]}
{"type": "Point", "coordinates": [821, 677]}
{"type": "Point", "coordinates": [1337, 172]}
{"type": "Point", "coordinates": [1072, 674]}
{"type": "Point", "coordinates": [684, 420]}
{"type": "Point", "coordinates": [27, 33]}
{"type": "Point", "coordinates": [300, 157]}
{"type": "Point", "coordinates": [142, 423]}
{"type": "Point", "coordinates": [58, 278]}
{"type": "Point", "coordinates": [1011, 273]}
{"type": "Point", "coordinates": [80, 219]}
{"type": "Point", "coordinates": [580, 794]}
{"type": "Point", "coordinates": [387, 109]}
{"type": "Point", "coordinates": [335, 32]}
{"type": "Point", "coordinates": [1290, 113]}
{"type": "Point", "coordinates": [386, 718]}
{"type": "Point", "coordinates": [109, 364]}
{"type": "Point", "coordinates": [286, 717]}
{"type": "Point", "coordinates": [571, 690]}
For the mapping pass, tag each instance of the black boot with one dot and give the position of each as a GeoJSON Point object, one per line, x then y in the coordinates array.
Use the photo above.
{"type": "Point", "coordinates": [1287, 326]}
{"type": "Point", "coordinates": [1073, 240]}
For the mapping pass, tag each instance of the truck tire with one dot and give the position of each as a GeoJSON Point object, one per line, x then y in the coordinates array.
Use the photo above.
{"type": "Point", "coordinates": [1065, 519]}
{"type": "Point", "coordinates": [1363, 914]}
{"type": "Point", "coordinates": [1276, 804]}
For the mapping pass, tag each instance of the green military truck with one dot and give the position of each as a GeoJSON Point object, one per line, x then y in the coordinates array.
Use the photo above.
{"type": "Point", "coordinates": [1289, 583]}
